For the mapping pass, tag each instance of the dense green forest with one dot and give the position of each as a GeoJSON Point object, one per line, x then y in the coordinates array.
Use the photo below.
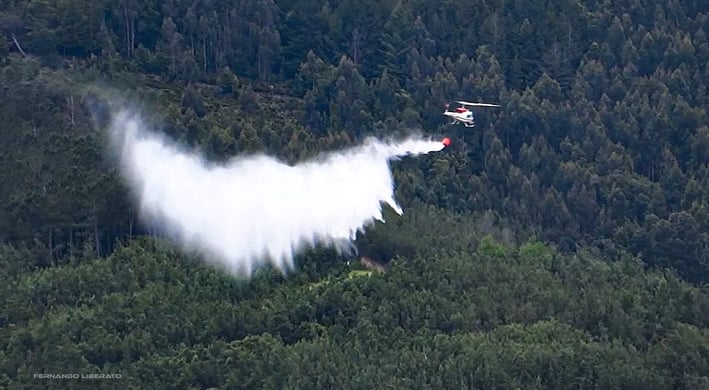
{"type": "Point", "coordinates": [561, 243]}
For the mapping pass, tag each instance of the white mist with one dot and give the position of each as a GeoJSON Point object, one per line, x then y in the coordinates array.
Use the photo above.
{"type": "Point", "coordinates": [255, 209]}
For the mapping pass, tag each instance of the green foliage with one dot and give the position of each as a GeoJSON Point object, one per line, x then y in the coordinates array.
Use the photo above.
{"type": "Point", "coordinates": [562, 242]}
{"type": "Point", "coordinates": [522, 317]}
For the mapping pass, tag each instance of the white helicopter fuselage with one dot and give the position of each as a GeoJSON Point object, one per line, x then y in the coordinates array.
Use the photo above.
{"type": "Point", "coordinates": [465, 117]}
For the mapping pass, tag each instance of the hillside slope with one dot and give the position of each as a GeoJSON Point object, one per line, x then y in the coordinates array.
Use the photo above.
{"type": "Point", "coordinates": [562, 242]}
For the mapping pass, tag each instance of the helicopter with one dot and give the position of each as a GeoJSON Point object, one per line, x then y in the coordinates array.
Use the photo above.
{"type": "Point", "coordinates": [464, 115]}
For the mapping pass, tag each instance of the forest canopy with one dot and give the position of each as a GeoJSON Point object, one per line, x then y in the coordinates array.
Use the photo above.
{"type": "Point", "coordinates": [562, 242]}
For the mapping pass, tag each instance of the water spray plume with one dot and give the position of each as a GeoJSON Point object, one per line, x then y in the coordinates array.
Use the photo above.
{"type": "Point", "coordinates": [255, 209]}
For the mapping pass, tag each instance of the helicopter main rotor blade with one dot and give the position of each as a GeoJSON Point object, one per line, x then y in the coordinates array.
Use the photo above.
{"type": "Point", "coordinates": [478, 104]}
